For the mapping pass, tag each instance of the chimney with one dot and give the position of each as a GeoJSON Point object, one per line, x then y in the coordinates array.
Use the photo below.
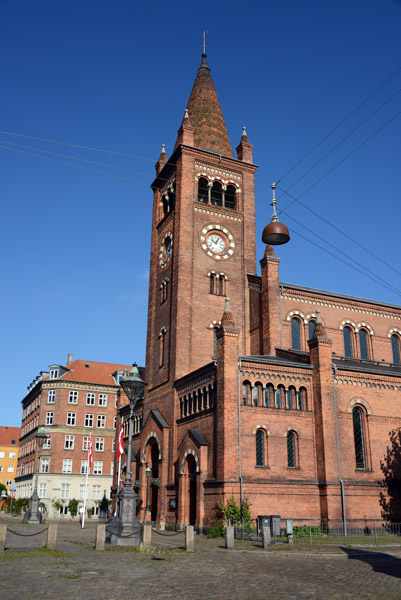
{"type": "Point", "coordinates": [69, 359]}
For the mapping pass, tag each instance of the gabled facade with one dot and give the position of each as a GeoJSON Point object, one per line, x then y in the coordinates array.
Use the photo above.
{"type": "Point", "coordinates": [71, 402]}
{"type": "Point", "coordinates": [285, 394]}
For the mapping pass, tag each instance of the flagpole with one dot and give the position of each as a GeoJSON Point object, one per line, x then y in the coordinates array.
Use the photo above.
{"type": "Point", "coordinates": [119, 474]}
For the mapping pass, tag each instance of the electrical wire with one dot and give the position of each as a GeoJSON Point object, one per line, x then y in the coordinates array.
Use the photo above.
{"type": "Point", "coordinates": [340, 123]}
{"type": "Point", "coordinates": [61, 162]}
{"type": "Point", "coordinates": [325, 175]}
{"type": "Point", "coordinates": [345, 138]}
{"type": "Point", "coordinates": [340, 259]}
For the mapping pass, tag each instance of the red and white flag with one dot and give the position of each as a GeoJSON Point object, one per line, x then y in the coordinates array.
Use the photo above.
{"type": "Point", "coordinates": [120, 449]}
{"type": "Point", "coordinates": [90, 452]}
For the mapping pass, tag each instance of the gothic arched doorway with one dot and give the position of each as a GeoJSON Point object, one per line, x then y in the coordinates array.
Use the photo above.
{"type": "Point", "coordinates": [191, 466]}
{"type": "Point", "coordinates": [154, 481]}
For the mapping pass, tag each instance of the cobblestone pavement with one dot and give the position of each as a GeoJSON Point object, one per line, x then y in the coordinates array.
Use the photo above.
{"type": "Point", "coordinates": [211, 572]}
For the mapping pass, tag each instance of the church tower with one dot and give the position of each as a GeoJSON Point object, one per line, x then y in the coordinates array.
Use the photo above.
{"type": "Point", "coordinates": [203, 241]}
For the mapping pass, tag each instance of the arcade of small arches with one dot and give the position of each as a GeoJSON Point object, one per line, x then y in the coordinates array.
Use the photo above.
{"type": "Point", "coordinates": [274, 396]}
{"type": "Point", "coordinates": [197, 401]}
{"type": "Point", "coordinates": [167, 200]}
{"type": "Point", "coordinates": [217, 285]}
{"type": "Point", "coordinates": [261, 447]}
{"type": "Point", "coordinates": [136, 425]}
{"type": "Point", "coordinates": [215, 193]}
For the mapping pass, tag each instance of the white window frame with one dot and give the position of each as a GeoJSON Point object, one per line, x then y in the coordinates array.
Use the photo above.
{"type": "Point", "coordinates": [85, 443]}
{"type": "Point", "coordinates": [96, 492]}
{"type": "Point", "coordinates": [101, 421]}
{"type": "Point", "coordinates": [99, 444]}
{"type": "Point", "coordinates": [82, 491]}
{"type": "Point", "coordinates": [11, 455]}
{"type": "Point", "coordinates": [44, 465]}
{"type": "Point", "coordinates": [53, 374]}
{"type": "Point", "coordinates": [84, 467]}
{"type": "Point", "coordinates": [73, 397]}
{"type": "Point", "coordinates": [10, 469]}
{"type": "Point", "coordinates": [98, 467]}
{"type": "Point", "coordinates": [71, 419]}
{"type": "Point", "coordinates": [88, 420]}
{"type": "Point", "coordinates": [67, 465]}
{"type": "Point", "coordinates": [69, 441]}
{"type": "Point", "coordinates": [90, 399]}
{"type": "Point", "coordinates": [51, 396]}
{"type": "Point", "coordinates": [65, 491]}
{"type": "Point", "coordinates": [42, 490]}
{"type": "Point", "coordinates": [49, 418]}
{"type": "Point", "coordinates": [102, 400]}
{"type": "Point", "coordinates": [47, 443]}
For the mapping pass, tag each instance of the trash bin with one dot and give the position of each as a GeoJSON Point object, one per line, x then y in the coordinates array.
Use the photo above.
{"type": "Point", "coordinates": [275, 525]}
{"type": "Point", "coordinates": [263, 521]}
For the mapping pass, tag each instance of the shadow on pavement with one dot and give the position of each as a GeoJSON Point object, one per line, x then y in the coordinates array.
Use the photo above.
{"type": "Point", "coordinates": [379, 561]}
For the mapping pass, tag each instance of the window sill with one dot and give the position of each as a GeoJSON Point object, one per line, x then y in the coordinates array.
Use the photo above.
{"type": "Point", "coordinates": [262, 467]}
{"type": "Point", "coordinates": [294, 468]}
{"type": "Point", "coordinates": [363, 470]}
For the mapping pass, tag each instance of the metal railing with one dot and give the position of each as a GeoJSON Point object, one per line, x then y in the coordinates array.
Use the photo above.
{"type": "Point", "coordinates": [358, 532]}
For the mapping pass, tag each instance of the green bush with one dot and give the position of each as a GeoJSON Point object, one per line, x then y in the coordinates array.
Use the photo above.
{"type": "Point", "coordinates": [216, 530]}
{"type": "Point", "coordinates": [234, 514]}
{"type": "Point", "coordinates": [73, 507]}
{"type": "Point", "coordinates": [304, 530]}
{"type": "Point", "coordinates": [20, 505]}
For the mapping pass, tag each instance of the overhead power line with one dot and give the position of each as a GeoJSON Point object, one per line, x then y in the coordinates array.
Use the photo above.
{"type": "Point", "coordinates": [340, 123]}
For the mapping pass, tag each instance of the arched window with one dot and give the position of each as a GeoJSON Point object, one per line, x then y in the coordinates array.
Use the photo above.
{"type": "Point", "coordinates": [290, 398]}
{"type": "Point", "coordinates": [302, 399]}
{"type": "Point", "coordinates": [280, 397]}
{"type": "Point", "coordinates": [347, 334]}
{"type": "Point", "coordinates": [229, 197]}
{"type": "Point", "coordinates": [257, 394]}
{"type": "Point", "coordinates": [363, 344]}
{"type": "Point", "coordinates": [395, 345]}
{"type": "Point", "coordinates": [203, 190]}
{"type": "Point", "coordinates": [260, 448]}
{"type": "Point", "coordinates": [215, 328]}
{"type": "Point", "coordinates": [216, 196]}
{"type": "Point", "coordinates": [246, 393]}
{"type": "Point", "coordinates": [171, 197]}
{"type": "Point", "coordinates": [359, 442]}
{"type": "Point", "coordinates": [291, 449]}
{"type": "Point", "coordinates": [269, 396]}
{"type": "Point", "coordinates": [295, 333]}
{"type": "Point", "coordinates": [311, 328]}
{"type": "Point", "coordinates": [221, 285]}
{"type": "Point", "coordinates": [212, 289]}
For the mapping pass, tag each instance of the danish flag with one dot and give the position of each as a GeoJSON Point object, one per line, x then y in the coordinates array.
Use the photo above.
{"type": "Point", "coordinates": [120, 449]}
{"type": "Point", "coordinates": [90, 452]}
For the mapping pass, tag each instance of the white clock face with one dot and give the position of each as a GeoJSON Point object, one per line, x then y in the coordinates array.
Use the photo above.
{"type": "Point", "coordinates": [216, 243]}
{"type": "Point", "coordinates": [166, 250]}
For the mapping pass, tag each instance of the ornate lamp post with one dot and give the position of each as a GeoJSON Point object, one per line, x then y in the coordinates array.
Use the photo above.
{"type": "Point", "coordinates": [126, 529]}
{"type": "Point", "coordinates": [148, 471]}
{"type": "Point", "coordinates": [33, 514]}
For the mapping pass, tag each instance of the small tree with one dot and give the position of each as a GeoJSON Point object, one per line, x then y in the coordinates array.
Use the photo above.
{"type": "Point", "coordinates": [234, 514]}
{"type": "Point", "coordinates": [73, 507]}
{"type": "Point", "coordinates": [20, 505]}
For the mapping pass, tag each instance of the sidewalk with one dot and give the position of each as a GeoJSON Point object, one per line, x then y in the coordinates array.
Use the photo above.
{"type": "Point", "coordinates": [211, 572]}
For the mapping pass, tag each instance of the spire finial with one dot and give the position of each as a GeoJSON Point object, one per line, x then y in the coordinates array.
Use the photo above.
{"type": "Point", "coordinates": [186, 114]}
{"type": "Point", "coordinates": [163, 148]}
{"type": "Point", "coordinates": [243, 131]}
{"type": "Point", "coordinates": [204, 61]}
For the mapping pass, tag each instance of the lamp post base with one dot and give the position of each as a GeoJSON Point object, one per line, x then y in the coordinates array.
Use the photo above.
{"type": "Point", "coordinates": [33, 514]}
{"type": "Point", "coordinates": [125, 529]}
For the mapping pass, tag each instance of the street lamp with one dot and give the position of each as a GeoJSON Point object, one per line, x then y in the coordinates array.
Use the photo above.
{"type": "Point", "coordinates": [33, 514]}
{"type": "Point", "coordinates": [148, 471]}
{"type": "Point", "coordinates": [125, 528]}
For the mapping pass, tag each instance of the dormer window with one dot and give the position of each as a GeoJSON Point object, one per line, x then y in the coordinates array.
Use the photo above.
{"type": "Point", "coordinates": [53, 373]}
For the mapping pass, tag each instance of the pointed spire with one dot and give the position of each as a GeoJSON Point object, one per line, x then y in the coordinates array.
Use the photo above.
{"type": "Point", "coordinates": [162, 160]}
{"type": "Point", "coordinates": [186, 120]}
{"type": "Point", "coordinates": [319, 327]}
{"type": "Point", "coordinates": [269, 250]}
{"type": "Point", "coordinates": [227, 319]}
{"type": "Point", "coordinates": [205, 114]}
{"type": "Point", "coordinates": [244, 138]}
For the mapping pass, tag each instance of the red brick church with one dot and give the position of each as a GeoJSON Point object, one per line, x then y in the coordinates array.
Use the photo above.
{"type": "Point", "coordinates": [285, 394]}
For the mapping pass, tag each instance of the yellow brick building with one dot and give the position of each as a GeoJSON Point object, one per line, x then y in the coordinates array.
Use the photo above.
{"type": "Point", "coordinates": [9, 442]}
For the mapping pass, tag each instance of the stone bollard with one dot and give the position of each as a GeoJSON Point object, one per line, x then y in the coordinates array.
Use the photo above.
{"type": "Point", "coordinates": [100, 536]}
{"type": "Point", "coordinates": [189, 538]}
{"type": "Point", "coordinates": [291, 539]}
{"type": "Point", "coordinates": [3, 534]}
{"type": "Point", "coordinates": [229, 537]}
{"type": "Point", "coordinates": [51, 542]}
{"type": "Point", "coordinates": [266, 537]}
{"type": "Point", "coordinates": [147, 536]}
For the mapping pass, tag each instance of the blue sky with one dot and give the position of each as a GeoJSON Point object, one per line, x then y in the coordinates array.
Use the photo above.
{"type": "Point", "coordinates": [116, 76]}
